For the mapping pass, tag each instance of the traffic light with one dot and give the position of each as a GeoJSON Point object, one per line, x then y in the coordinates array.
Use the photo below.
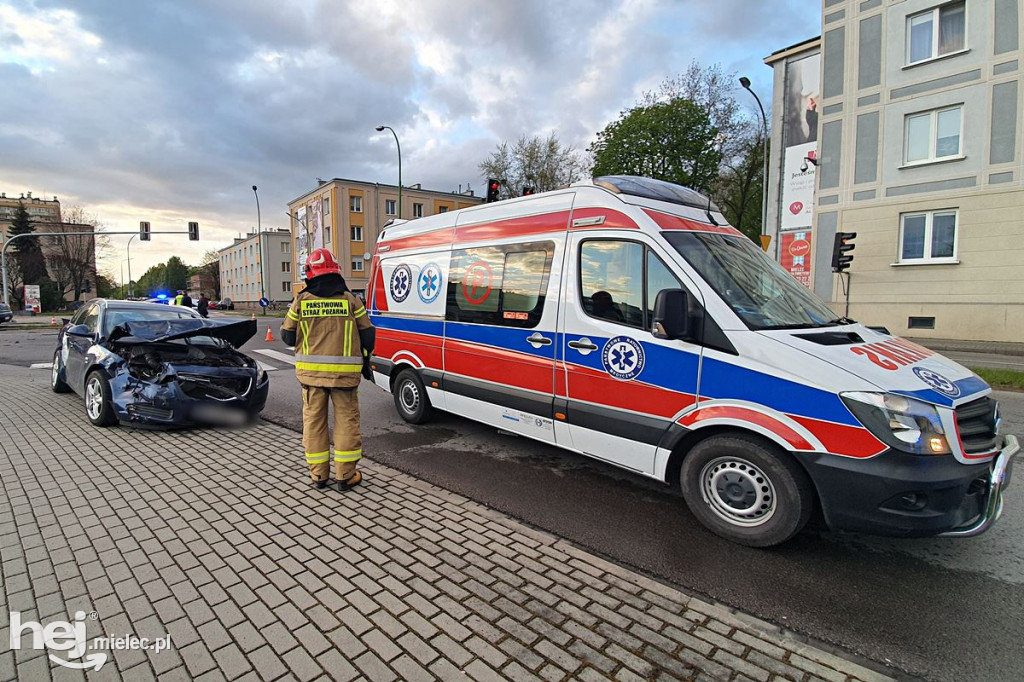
{"type": "Point", "coordinates": [843, 243]}
{"type": "Point", "coordinates": [492, 190]}
{"type": "Point", "coordinates": [143, 231]}
{"type": "Point", "coordinates": [193, 232]}
{"type": "Point", "coordinates": [527, 191]}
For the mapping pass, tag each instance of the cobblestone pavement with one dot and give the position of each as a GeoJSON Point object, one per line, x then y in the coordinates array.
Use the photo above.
{"type": "Point", "coordinates": [214, 538]}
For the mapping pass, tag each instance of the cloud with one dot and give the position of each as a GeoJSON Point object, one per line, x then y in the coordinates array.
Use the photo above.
{"type": "Point", "coordinates": [176, 109]}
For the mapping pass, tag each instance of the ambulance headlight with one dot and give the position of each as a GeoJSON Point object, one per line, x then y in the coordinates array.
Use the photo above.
{"type": "Point", "coordinates": [900, 422]}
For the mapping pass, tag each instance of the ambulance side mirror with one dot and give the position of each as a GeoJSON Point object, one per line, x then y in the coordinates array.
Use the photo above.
{"type": "Point", "coordinates": [671, 314]}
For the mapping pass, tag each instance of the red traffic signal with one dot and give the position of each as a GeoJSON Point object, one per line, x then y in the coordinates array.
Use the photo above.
{"type": "Point", "coordinates": [527, 191]}
{"type": "Point", "coordinates": [492, 190]}
{"type": "Point", "coordinates": [843, 243]}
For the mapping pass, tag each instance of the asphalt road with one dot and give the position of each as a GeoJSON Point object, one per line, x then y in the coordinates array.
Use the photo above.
{"type": "Point", "coordinates": [938, 609]}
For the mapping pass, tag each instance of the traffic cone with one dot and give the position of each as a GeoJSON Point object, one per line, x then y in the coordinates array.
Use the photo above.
{"type": "Point", "coordinates": [270, 335]}
{"type": "Point", "coordinates": [53, 321]}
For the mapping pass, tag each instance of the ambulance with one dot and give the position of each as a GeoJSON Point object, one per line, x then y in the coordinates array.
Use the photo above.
{"type": "Point", "coordinates": [622, 318]}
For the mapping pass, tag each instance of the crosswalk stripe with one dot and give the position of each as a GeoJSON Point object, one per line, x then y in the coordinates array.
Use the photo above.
{"type": "Point", "coordinates": [275, 354]}
{"type": "Point", "coordinates": [41, 365]}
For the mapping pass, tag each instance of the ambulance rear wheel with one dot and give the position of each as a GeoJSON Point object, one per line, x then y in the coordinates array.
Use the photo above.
{"type": "Point", "coordinates": [746, 490]}
{"type": "Point", "coordinates": [411, 399]}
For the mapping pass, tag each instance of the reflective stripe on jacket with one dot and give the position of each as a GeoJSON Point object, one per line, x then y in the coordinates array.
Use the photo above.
{"type": "Point", "coordinates": [327, 348]}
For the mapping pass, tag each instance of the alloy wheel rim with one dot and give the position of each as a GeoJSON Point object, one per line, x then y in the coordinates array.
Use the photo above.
{"type": "Point", "coordinates": [93, 399]}
{"type": "Point", "coordinates": [738, 492]}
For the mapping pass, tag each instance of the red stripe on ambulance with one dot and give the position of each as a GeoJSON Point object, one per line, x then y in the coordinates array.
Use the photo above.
{"type": "Point", "coordinates": [673, 222]}
{"type": "Point", "coordinates": [601, 389]}
{"type": "Point", "coordinates": [514, 227]}
{"type": "Point", "coordinates": [839, 439]}
{"type": "Point", "coordinates": [424, 346]}
{"type": "Point", "coordinates": [499, 366]}
{"type": "Point", "coordinates": [743, 414]}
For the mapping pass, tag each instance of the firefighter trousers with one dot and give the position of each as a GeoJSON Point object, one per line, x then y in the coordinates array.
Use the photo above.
{"type": "Point", "coordinates": [348, 448]}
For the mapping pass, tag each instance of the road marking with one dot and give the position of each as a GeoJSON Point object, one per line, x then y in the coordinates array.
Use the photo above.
{"type": "Point", "coordinates": [276, 354]}
{"type": "Point", "coordinates": [42, 365]}
{"type": "Point", "coordinates": [265, 368]}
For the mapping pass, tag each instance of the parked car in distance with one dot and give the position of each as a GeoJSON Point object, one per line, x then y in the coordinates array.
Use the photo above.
{"type": "Point", "coordinates": [5, 313]}
{"type": "Point", "coordinates": [225, 304]}
{"type": "Point", "coordinates": [158, 365]}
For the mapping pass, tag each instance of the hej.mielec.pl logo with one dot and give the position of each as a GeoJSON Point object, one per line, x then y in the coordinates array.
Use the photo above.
{"type": "Point", "coordinates": [71, 637]}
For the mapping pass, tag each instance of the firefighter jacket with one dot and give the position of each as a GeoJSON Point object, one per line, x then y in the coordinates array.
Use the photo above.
{"type": "Point", "coordinates": [328, 352]}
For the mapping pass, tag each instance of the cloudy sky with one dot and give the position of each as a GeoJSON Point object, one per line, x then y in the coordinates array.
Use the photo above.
{"type": "Point", "coordinates": [170, 111]}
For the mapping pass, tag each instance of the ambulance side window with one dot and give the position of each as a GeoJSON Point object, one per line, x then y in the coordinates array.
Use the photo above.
{"type": "Point", "coordinates": [620, 280]}
{"type": "Point", "coordinates": [500, 285]}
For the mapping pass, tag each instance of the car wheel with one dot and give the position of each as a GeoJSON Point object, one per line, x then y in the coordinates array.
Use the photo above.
{"type": "Point", "coordinates": [99, 407]}
{"type": "Point", "coordinates": [411, 399]}
{"type": "Point", "coordinates": [746, 491]}
{"type": "Point", "coordinates": [57, 384]}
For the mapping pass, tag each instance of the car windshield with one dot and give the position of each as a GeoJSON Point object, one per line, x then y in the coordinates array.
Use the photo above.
{"type": "Point", "coordinates": [118, 316]}
{"type": "Point", "coordinates": [757, 288]}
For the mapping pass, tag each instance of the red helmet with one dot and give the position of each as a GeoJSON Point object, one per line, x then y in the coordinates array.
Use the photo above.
{"type": "Point", "coordinates": [321, 262]}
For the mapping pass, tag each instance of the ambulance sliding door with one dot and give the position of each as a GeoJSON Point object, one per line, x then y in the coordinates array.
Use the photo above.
{"type": "Point", "coordinates": [622, 387]}
{"type": "Point", "coordinates": [501, 314]}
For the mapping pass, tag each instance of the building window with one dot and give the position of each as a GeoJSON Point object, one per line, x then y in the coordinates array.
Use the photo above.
{"type": "Point", "coordinates": [937, 32]}
{"type": "Point", "coordinates": [390, 206]}
{"type": "Point", "coordinates": [499, 285]}
{"type": "Point", "coordinates": [286, 247]}
{"type": "Point", "coordinates": [286, 287]}
{"type": "Point", "coordinates": [327, 205]}
{"type": "Point", "coordinates": [933, 135]}
{"type": "Point", "coordinates": [327, 237]}
{"type": "Point", "coordinates": [417, 210]}
{"type": "Point", "coordinates": [928, 237]}
{"type": "Point", "coordinates": [357, 233]}
{"type": "Point", "coordinates": [286, 266]}
{"type": "Point", "coordinates": [357, 266]}
{"type": "Point", "coordinates": [442, 209]}
{"type": "Point", "coordinates": [355, 204]}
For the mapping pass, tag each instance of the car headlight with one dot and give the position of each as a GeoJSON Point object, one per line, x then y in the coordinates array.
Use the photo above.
{"type": "Point", "coordinates": [903, 423]}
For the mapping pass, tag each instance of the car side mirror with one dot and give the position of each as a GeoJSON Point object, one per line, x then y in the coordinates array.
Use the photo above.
{"type": "Point", "coordinates": [671, 318]}
{"type": "Point", "coordinates": [80, 330]}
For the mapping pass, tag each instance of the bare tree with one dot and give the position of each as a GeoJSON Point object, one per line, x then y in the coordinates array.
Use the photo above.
{"type": "Point", "coordinates": [540, 165]}
{"type": "Point", "coordinates": [71, 257]}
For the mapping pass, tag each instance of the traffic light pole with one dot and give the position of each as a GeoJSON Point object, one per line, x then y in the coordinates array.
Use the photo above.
{"type": "Point", "coordinates": [10, 240]}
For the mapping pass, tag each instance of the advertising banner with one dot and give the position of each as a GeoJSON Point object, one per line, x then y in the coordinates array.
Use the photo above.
{"type": "Point", "coordinates": [796, 256]}
{"type": "Point", "coordinates": [800, 140]}
{"type": "Point", "coordinates": [798, 187]}
{"type": "Point", "coordinates": [32, 298]}
{"type": "Point", "coordinates": [316, 225]}
{"type": "Point", "coordinates": [302, 243]}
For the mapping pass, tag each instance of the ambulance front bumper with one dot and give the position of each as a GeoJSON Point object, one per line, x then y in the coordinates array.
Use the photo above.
{"type": "Point", "coordinates": [898, 494]}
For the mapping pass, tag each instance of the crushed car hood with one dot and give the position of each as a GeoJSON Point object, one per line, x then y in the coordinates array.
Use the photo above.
{"type": "Point", "coordinates": [153, 331]}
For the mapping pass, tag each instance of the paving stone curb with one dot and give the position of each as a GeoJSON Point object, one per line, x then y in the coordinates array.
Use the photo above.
{"type": "Point", "coordinates": [214, 537]}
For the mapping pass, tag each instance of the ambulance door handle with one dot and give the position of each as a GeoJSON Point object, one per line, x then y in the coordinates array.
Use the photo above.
{"type": "Point", "coordinates": [538, 340]}
{"type": "Point", "coordinates": [583, 344]}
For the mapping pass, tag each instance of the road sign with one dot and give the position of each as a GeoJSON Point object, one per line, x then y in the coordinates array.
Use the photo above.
{"type": "Point", "coordinates": [264, 302]}
{"type": "Point", "coordinates": [766, 240]}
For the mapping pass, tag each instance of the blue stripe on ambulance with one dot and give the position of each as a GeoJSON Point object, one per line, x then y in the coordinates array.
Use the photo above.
{"type": "Point", "coordinates": [970, 388]}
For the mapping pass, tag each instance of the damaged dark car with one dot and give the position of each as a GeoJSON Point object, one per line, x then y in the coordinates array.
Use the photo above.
{"type": "Point", "coordinates": [146, 364]}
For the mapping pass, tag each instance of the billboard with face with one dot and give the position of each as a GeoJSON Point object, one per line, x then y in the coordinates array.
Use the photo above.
{"type": "Point", "coordinates": [800, 140]}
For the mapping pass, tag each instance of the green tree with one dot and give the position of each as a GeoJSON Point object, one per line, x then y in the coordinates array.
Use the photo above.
{"type": "Point", "coordinates": [26, 251]}
{"type": "Point", "coordinates": [177, 274]}
{"type": "Point", "coordinates": [532, 162]}
{"type": "Point", "coordinates": [738, 189]}
{"type": "Point", "coordinates": [673, 141]}
{"type": "Point", "coordinates": [107, 287]}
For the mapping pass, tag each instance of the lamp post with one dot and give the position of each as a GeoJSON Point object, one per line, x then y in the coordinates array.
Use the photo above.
{"type": "Point", "coordinates": [122, 277]}
{"type": "Point", "coordinates": [745, 82]}
{"type": "Point", "coordinates": [259, 245]}
{"type": "Point", "coordinates": [131, 287]}
{"type": "Point", "coordinates": [381, 129]}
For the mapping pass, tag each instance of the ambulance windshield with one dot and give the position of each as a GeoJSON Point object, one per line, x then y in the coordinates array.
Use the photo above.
{"type": "Point", "coordinates": [757, 288]}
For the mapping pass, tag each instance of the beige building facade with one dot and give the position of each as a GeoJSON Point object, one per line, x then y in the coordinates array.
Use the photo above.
{"type": "Point", "coordinates": [241, 274]}
{"type": "Point", "coordinates": [918, 152]}
{"type": "Point", "coordinates": [346, 216]}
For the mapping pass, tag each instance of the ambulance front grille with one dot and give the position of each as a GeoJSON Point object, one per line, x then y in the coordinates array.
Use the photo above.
{"type": "Point", "coordinates": [976, 422]}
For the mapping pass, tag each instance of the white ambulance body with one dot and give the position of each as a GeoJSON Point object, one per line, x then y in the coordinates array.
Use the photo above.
{"type": "Point", "coordinates": [622, 318]}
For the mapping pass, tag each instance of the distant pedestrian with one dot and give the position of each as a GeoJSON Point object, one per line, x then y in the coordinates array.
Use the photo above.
{"type": "Point", "coordinates": [179, 297]}
{"type": "Point", "coordinates": [204, 306]}
{"type": "Point", "coordinates": [186, 300]}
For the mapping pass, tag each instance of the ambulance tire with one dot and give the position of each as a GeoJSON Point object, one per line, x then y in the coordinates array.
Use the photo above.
{"type": "Point", "coordinates": [411, 399]}
{"type": "Point", "coordinates": [746, 490]}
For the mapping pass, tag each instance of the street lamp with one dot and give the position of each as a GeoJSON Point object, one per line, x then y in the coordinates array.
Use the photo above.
{"type": "Point", "coordinates": [122, 277]}
{"type": "Point", "coordinates": [131, 287]}
{"type": "Point", "coordinates": [259, 245]}
{"type": "Point", "coordinates": [745, 82]}
{"type": "Point", "coordinates": [381, 129]}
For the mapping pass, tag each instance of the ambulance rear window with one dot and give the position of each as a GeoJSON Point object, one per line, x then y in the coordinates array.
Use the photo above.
{"type": "Point", "coordinates": [500, 285]}
{"type": "Point", "coordinates": [658, 190]}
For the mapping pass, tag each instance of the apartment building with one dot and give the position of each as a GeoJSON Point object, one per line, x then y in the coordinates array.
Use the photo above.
{"type": "Point", "coordinates": [347, 215]}
{"type": "Point", "coordinates": [918, 151]}
{"type": "Point", "coordinates": [242, 276]}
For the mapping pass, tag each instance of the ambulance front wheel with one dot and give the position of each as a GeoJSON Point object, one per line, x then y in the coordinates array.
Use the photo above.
{"type": "Point", "coordinates": [411, 397]}
{"type": "Point", "coordinates": [745, 490]}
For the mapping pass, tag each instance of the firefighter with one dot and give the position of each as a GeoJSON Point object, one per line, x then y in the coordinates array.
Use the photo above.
{"type": "Point", "coordinates": [332, 335]}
